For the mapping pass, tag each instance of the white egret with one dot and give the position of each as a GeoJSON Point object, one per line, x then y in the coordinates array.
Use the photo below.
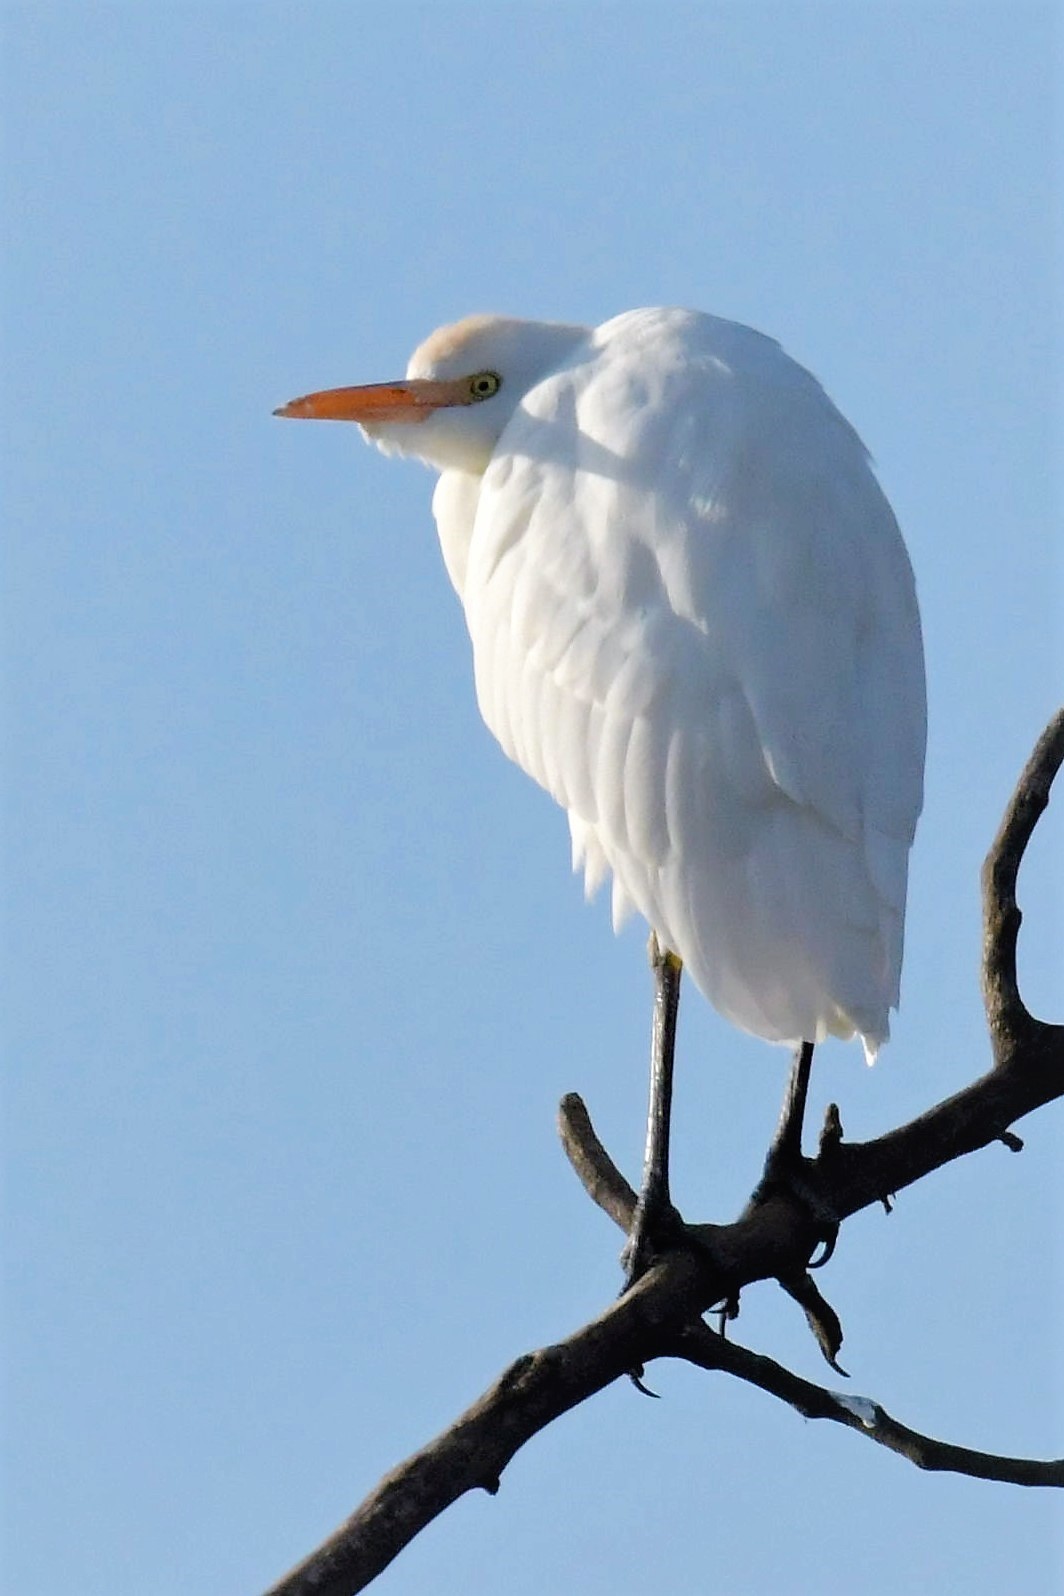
{"type": "Point", "coordinates": [694, 623]}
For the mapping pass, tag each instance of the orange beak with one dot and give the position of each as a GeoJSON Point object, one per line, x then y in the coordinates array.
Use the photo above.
{"type": "Point", "coordinates": [412, 400]}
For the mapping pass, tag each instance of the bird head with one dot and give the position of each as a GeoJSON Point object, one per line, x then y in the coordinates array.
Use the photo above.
{"type": "Point", "coordinates": [461, 387]}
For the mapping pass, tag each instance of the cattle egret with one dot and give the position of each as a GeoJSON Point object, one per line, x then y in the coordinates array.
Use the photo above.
{"type": "Point", "coordinates": [694, 623]}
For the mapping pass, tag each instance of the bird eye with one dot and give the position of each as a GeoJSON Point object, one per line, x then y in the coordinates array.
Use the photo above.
{"type": "Point", "coordinates": [484, 384]}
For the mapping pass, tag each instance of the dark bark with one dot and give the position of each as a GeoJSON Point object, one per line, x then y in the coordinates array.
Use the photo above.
{"type": "Point", "coordinates": [774, 1238]}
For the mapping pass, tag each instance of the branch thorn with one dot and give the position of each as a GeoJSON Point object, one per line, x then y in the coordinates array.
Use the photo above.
{"type": "Point", "coordinates": [830, 1131]}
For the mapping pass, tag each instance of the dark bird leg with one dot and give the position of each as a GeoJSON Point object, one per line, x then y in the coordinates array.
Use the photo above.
{"type": "Point", "coordinates": [655, 1216]}
{"type": "Point", "coordinates": [785, 1153]}
{"type": "Point", "coordinates": [785, 1167]}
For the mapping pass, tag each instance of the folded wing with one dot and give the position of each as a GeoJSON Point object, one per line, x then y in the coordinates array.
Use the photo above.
{"type": "Point", "coordinates": [694, 623]}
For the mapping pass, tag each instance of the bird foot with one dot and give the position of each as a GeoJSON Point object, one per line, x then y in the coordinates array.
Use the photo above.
{"type": "Point", "coordinates": [786, 1169]}
{"type": "Point", "coordinates": [789, 1173]}
{"type": "Point", "coordinates": [657, 1228]}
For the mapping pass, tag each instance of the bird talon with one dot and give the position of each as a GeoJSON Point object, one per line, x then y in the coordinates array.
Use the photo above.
{"type": "Point", "coordinates": [829, 1243]}
{"type": "Point", "coordinates": [728, 1310]}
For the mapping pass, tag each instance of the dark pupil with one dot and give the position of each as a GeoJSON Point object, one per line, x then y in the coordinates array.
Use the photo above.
{"type": "Point", "coordinates": [483, 385]}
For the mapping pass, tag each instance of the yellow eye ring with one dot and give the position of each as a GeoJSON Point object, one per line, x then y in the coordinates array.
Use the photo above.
{"type": "Point", "coordinates": [484, 385]}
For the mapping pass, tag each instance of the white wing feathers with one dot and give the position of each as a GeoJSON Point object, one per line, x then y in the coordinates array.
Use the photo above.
{"type": "Point", "coordinates": [694, 623]}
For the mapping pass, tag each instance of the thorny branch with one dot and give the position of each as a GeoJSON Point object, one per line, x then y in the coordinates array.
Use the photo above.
{"type": "Point", "coordinates": [773, 1239]}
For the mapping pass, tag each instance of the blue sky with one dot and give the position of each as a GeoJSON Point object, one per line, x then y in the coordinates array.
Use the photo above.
{"type": "Point", "coordinates": [296, 970]}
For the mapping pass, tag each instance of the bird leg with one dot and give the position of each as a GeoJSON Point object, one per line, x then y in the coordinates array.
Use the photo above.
{"type": "Point", "coordinates": [785, 1167]}
{"type": "Point", "coordinates": [655, 1218]}
{"type": "Point", "coordinates": [786, 1149]}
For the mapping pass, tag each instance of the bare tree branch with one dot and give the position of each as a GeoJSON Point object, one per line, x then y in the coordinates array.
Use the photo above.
{"type": "Point", "coordinates": [599, 1175]}
{"type": "Point", "coordinates": [1009, 1022]}
{"type": "Point", "coordinates": [473, 1452]}
{"type": "Point", "coordinates": [702, 1346]}
{"type": "Point", "coordinates": [774, 1238]}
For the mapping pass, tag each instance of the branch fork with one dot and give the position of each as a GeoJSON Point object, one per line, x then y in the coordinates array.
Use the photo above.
{"type": "Point", "coordinates": [774, 1238]}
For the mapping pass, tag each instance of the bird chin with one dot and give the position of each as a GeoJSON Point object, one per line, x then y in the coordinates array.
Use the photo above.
{"type": "Point", "coordinates": [384, 435]}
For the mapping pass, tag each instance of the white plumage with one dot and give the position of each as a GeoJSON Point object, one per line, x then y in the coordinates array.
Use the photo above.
{"type": "Point", "coordinates": [694, 623]}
